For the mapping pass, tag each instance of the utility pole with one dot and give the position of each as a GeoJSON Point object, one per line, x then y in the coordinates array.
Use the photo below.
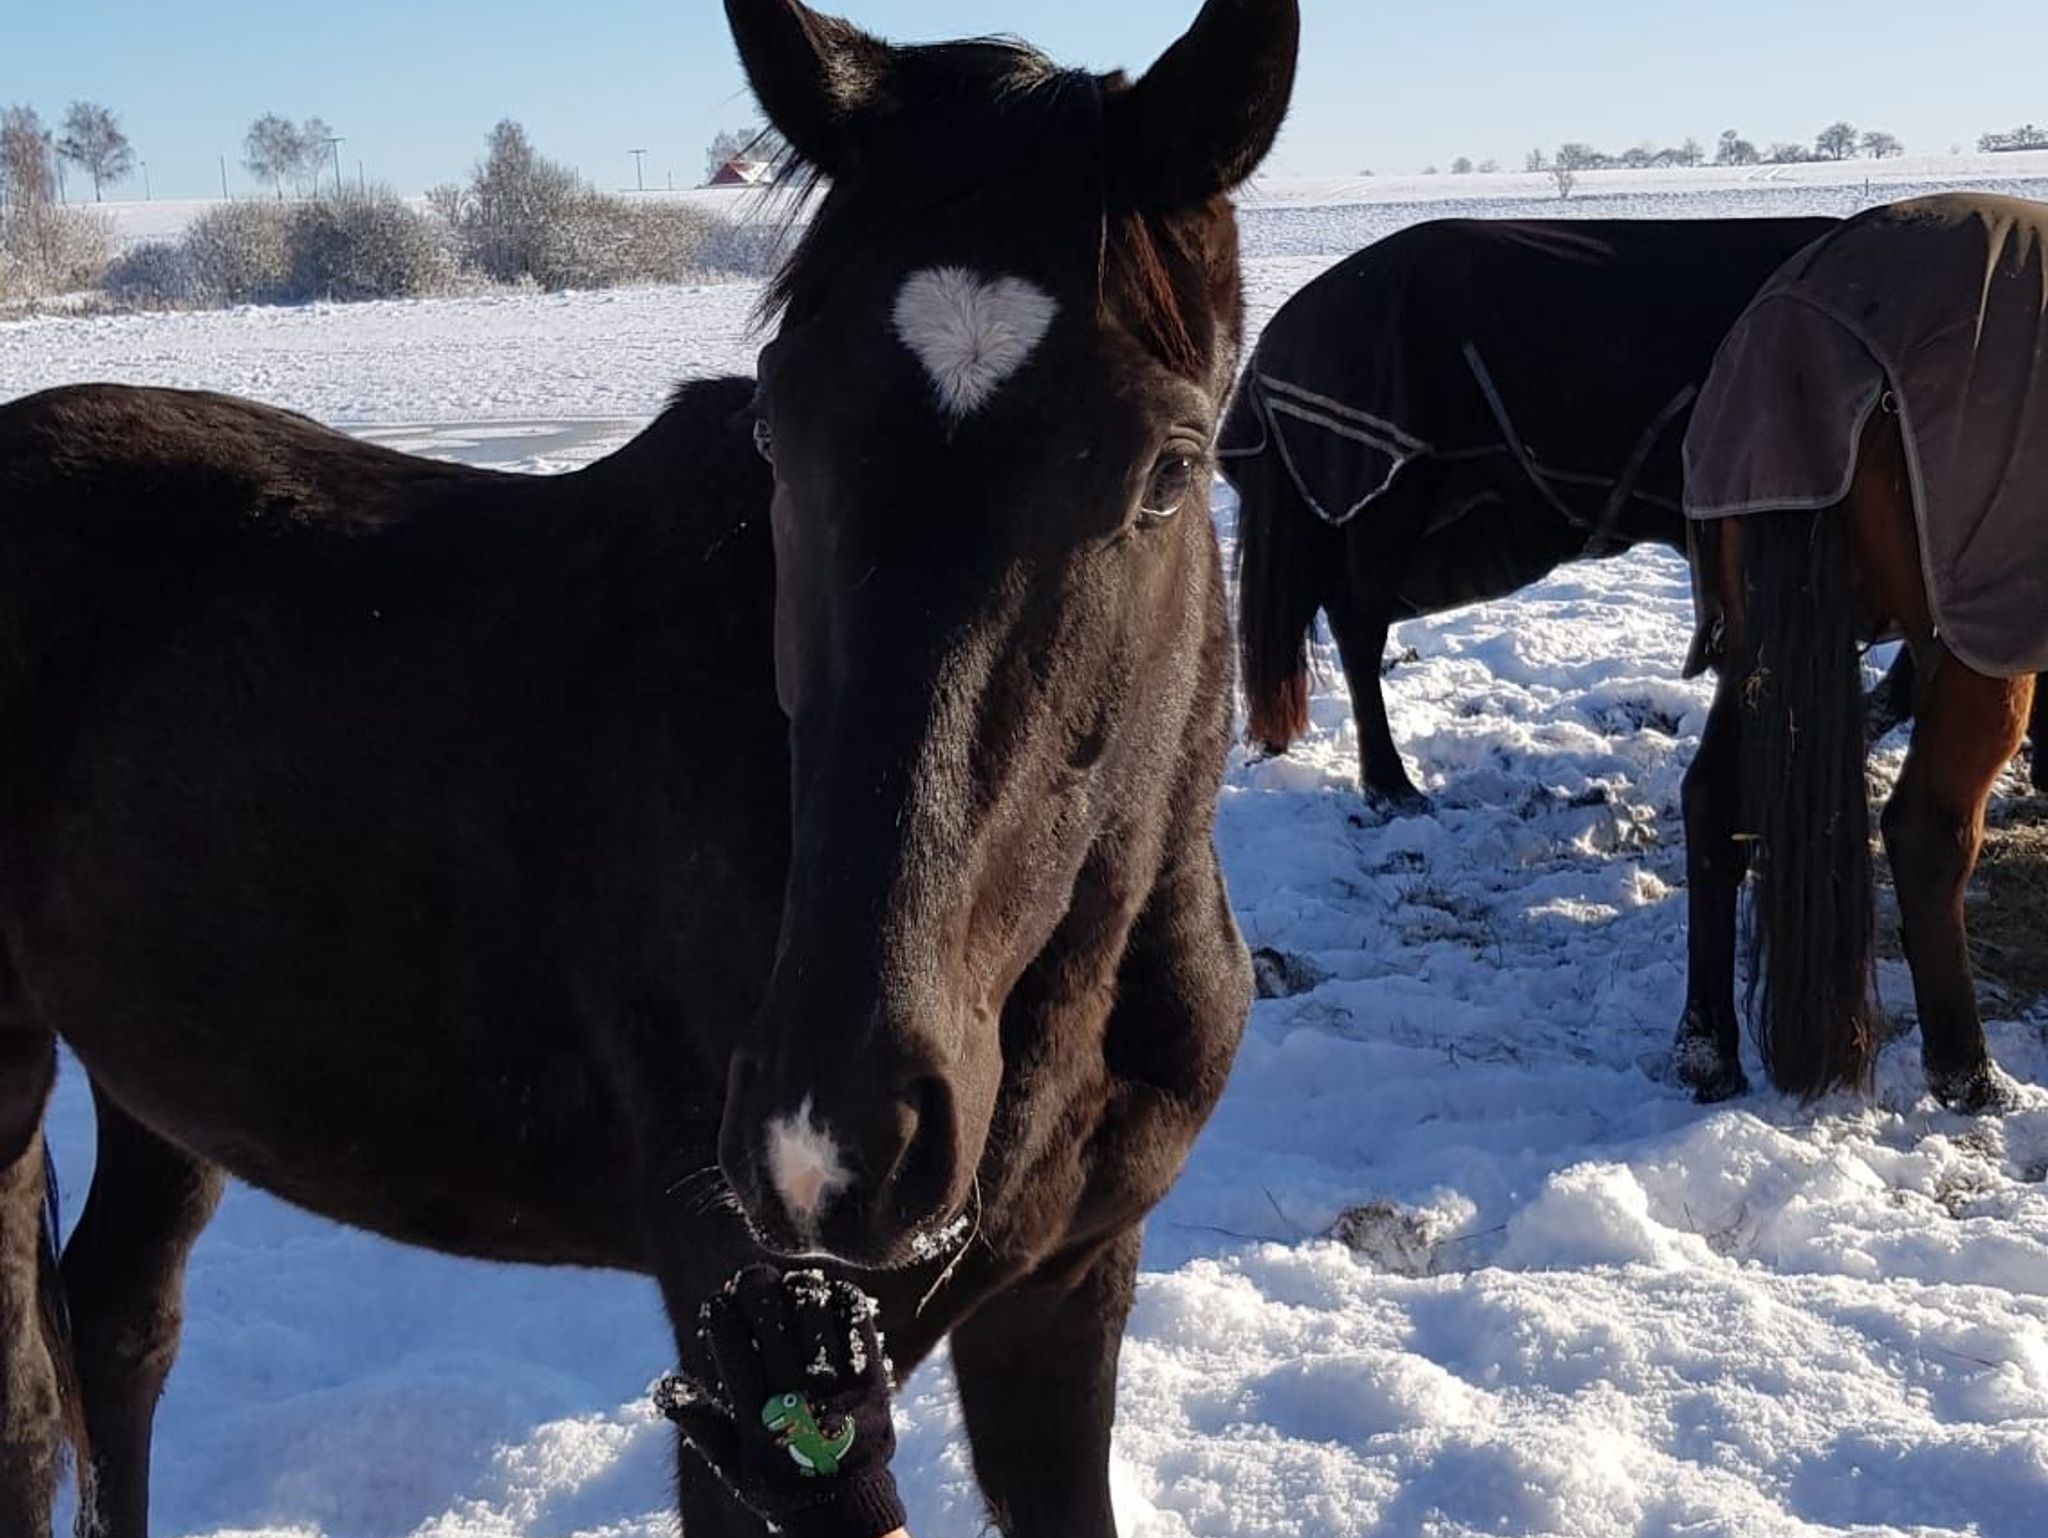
{"type": "Point", "coordinates": [223, 178]}
{"type": "Point", "coordinates": [362, 180]}
{"type": "Point", "coordinates": [639, 181]}
{"type": "Point", "coordinates": [145, 181]}
{"type": "Point", "coordinates": [334, 142]}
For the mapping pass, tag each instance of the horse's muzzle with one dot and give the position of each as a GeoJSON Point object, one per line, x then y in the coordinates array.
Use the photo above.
{"type": "Point", "coordinates": [845, 1167]}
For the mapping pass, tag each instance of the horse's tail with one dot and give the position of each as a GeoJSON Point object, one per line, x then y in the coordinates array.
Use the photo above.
{"type": "Point", "coordinates": [1806, 804]}
{"type": "Point", "coordinates": [54, 1310]}
{"type": "Point", "coordinates": [1287, 558]}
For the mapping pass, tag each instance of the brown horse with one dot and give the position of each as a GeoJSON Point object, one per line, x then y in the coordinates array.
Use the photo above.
{"type": "Point", "coordinates": [542, 870]}
{"type": "Point", "coordinates": [1850, 424]}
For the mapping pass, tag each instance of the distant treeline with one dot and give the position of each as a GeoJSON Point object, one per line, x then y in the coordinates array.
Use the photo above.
{"type": "Point", "coordinates": [2025, 137]}
{"type": "Point", "coordinates": [521, 219]}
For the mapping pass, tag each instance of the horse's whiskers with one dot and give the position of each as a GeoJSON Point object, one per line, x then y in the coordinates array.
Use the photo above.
{"type": "Point", "coordinates": [960, 1247]}
{"type": "Point", "coordinates": [704, 1192]}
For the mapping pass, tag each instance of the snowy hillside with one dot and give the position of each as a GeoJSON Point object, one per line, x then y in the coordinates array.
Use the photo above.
{"type": "Point", "coordinates": [1564, 1300]}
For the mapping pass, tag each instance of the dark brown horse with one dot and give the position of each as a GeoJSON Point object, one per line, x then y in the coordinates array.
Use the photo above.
{"type": "Point", "coordinates": [1451, 413]}
{"type": "Point", "coordinates": [1871, 457]}
{"type": "Point", "coordinates": [540, 870]}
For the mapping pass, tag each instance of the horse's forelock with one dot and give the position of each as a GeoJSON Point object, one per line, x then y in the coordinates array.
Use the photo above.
{"type": "Point", "coordinates": [958, 114]}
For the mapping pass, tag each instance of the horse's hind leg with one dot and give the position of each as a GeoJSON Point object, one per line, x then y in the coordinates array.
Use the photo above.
{"type": "Point", "coordinates": [1360, 623]}
{"type": "Point", "coordinates": [124, 1273]}
{"type": "Point", "coordinates": [1708, 1052]}
{"type": "Point", "coordinates": [1969, 728]}
{"type": "Point", "coordinates": [34, 1375]}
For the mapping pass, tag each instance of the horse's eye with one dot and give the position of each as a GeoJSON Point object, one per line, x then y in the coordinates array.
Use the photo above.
{"type": "Point", "coordinates": [1173, 479]}
{"type": "Point", "coordinates": [764, 438]}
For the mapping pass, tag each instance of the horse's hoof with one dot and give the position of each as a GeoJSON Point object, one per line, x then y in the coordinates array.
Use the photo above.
{"type": "Point", "coordinates": [1729, 1084]}
{"type": "Point", "coordinates": [1702, 1069]}
{"type": "Point", "coordinates": [1408, 802]}
{"type": "Point", "coordinates": [1280, 974]}
{"type": "Point", "coordinates": [1980, 1091]}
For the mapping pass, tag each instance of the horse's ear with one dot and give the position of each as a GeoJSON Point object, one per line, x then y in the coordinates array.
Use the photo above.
{"type": "Point", "coordinates": [1207, 113]}
{"type": "Point", "coordinates": [811, 73]}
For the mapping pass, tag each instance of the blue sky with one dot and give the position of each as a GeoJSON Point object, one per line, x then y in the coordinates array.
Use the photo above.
{"type": "Point", "coordinates": [1390, 85]}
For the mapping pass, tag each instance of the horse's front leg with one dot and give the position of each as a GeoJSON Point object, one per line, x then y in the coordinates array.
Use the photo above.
{"type": "Point", "coordinates": [1708, 1051]}
{"type": "Point", "coordinates": [1037, 1362]}
{"type": "Point", "coordinates": [1037, 1372]}
{"type": "Point", "coordinates": [33, 1377]}
{"type": "Point", "coordinates": [700, 1245]}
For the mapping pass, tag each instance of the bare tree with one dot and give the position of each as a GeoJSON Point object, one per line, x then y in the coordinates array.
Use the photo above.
{"type": "Point", "coordinates": [517, 208]}
{"type": "Point", "coordinates": [271, 150]}
{"type": "Point", "coordinates": [1879, 145]}
{"type": "Point", "coordinates": [1535, 160]}
{"type": "Point", "coordinates": [27, 176]}
{"type": "Point", "coordinates": [1462, 166]}
{"type": "Point", "coordinates": [93, 142]}
{"type": "Point", "coordinates": [314, 139]}
{"type": "Point", "coordinates": [1837, 141]}
{"type": "Point", "coordinates": [447, 201]}
{"type": "Point", "coordinates": [1689, 153]}
{"type": "Point", "coordinates": [1734, 150]}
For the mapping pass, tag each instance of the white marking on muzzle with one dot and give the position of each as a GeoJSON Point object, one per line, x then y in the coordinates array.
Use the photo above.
{"type": "Point", "coordinates": [804, 1163]}
{"type": "Point", "coordinates": [971, 333]}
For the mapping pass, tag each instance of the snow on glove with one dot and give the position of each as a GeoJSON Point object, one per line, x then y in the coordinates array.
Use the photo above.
{"type": "Point", "coordinates": [797, 1423]}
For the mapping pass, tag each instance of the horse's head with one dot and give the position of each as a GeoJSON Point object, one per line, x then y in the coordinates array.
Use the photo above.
{"type": "Point", "coordinates": [1005, 340]}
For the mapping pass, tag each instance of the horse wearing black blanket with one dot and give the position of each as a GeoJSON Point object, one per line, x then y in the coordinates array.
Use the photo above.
{"type": "Point", "coordinates": [1453, 412]}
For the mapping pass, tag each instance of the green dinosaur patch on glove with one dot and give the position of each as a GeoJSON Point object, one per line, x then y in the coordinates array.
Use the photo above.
{"type": "Point", "coordinates": [798, 1433]}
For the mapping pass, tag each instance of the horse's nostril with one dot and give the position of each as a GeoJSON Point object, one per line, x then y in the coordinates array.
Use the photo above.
{"type": "Point", "coordinates": [924, 1173]}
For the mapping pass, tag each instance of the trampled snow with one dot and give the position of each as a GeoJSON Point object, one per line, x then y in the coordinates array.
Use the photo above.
{"type": "Point", "coordinates": [1455, 1256]}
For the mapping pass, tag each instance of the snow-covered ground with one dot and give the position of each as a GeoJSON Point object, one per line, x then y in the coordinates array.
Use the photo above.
{"type": "Point", "coordinates": [1565, 1300]}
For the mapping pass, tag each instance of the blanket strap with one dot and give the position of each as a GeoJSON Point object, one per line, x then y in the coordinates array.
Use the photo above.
{"type": "Point", "coordinates": [1514, 442]}
{"type": "Point", "coordinates": [1625, 488]}
{"type": "Point", "coordinates": [1599, 532]}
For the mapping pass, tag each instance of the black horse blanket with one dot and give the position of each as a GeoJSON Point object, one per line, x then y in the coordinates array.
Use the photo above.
{"type": "Point", "coordinates": [1936, 309]}
{"type": "Point", "coordinates": [1572, 349]}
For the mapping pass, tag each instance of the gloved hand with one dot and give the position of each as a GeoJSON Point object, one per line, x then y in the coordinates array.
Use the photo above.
{"type": "Point", "coordinates": [797, 1422]}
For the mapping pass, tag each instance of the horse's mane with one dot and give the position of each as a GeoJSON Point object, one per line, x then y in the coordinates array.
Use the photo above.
{"type": "Point", "coordinates": [984, 121]}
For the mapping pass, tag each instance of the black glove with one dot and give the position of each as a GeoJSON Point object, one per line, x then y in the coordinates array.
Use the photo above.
{"type": "Point", "coordinates": [797, 1423]}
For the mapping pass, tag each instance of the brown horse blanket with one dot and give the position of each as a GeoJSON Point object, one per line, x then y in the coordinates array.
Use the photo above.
{"type": "Point", "coordinates": [1570, 348]}
{"type": "Point", "coordinates": [1936, 309]}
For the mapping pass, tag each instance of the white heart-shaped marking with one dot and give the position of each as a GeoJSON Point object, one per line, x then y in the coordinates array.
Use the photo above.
{"type": "Point", "coordinates": [971, 333]}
